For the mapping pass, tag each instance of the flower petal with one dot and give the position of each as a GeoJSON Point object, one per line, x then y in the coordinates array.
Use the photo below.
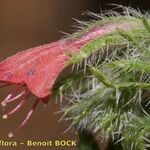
{"type": "Point", "coordinates": [39, 67]}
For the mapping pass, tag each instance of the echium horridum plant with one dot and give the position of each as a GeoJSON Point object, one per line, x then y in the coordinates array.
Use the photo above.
{"type": "Point", "coordinates": [107, 92]}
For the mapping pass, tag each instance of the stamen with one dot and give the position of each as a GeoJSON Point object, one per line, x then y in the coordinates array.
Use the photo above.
{"type": "Point", "coordinates": [11, 134]}
{"type": "Point", "coordinates": [16, 97]}
{"type": "Point", "coordinates": [3, 103]}
{"type": "Point", "coordinates": [9, 99]}
{"type": "Point", "coordinates": [5, 116]}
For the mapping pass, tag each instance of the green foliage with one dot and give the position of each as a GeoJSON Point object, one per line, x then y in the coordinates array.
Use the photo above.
{"type": "Point", "coordinates": [114, 83]}
{"type": "Point", "coordinates": [146, 24]}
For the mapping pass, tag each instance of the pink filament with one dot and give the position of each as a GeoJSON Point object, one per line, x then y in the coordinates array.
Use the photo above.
{"type": "Point", "coordinates": [9, 97]}
{"type": "Point", "coordinates": [16, 97]}
{"type": "Point", "coordinates": [17, 107]}
{"type": "Point", "coordinates": [11, 134]}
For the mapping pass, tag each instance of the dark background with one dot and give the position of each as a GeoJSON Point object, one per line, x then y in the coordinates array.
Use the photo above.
{"type": "Point", "coordinates": [29, 23]}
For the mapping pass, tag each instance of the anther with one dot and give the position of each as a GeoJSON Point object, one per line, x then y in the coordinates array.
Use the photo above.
{"type": "Point", "coordinates": [10, 135]}
{"type": "Point", "coordinates": [3, 104]}
{"type": "Point", "coordinates": [5, 116]}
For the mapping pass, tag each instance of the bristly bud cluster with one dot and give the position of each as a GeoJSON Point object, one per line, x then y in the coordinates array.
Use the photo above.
{"type": "Point", "coordinates": [108, 91]}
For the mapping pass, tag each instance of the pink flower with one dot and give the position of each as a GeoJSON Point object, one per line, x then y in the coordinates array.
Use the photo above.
{"type": "Point", "coordinates": [35, 70]}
